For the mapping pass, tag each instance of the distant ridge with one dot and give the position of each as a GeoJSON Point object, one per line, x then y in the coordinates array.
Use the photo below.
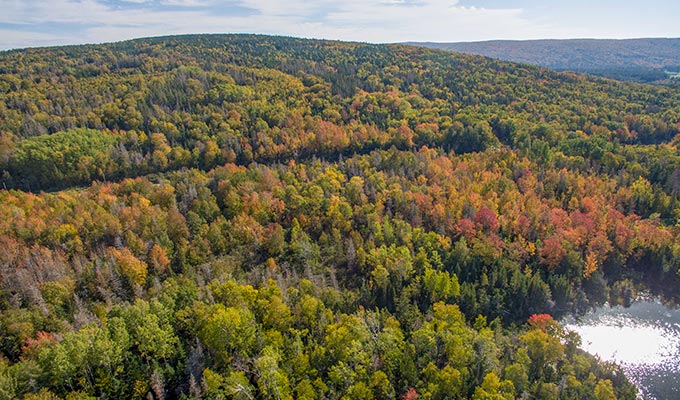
{"type": "Point", "coordinates": [651, 60]}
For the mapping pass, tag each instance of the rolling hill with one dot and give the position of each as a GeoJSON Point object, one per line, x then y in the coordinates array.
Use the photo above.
{"type": "Point", "coordinates": [655, 60]}
{"type": "Point", "coordinates": [243, 216]}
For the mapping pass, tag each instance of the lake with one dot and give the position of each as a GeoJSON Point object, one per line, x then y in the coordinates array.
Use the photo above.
{"type": "Point", "coordinates": [644, 339]}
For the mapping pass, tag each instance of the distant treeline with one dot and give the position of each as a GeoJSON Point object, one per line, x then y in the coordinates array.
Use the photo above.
{"type": "Point", "coordinates": [638, 60]}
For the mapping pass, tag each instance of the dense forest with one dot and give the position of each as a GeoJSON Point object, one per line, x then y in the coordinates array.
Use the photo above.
{"type": "Point", "coordinates": [254, 217]}
{"type": "Point", "coordinates": [653, 60]}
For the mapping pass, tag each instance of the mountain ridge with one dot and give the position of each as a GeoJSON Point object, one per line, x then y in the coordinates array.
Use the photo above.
{"type": "Point", "coordinates": [647, 60]}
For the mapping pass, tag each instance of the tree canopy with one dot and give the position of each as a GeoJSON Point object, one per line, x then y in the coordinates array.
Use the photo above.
{"type": "Point", "coordinates": [237, 216]}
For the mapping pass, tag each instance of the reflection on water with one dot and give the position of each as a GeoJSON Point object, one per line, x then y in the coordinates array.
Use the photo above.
{"type": "Point", "coordinates": [644, 339]}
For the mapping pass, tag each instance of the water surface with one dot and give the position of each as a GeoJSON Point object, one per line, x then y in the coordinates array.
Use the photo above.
{"type": "Point", "coordinates": [644, 339]}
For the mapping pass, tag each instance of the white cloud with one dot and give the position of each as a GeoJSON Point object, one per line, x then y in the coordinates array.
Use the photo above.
{"type": "Point", "coordinates": [10, 38]}
{"type": "Point", "coordinates": [185, 3]}
{"type": "Point", "coordinates": [92, 21]}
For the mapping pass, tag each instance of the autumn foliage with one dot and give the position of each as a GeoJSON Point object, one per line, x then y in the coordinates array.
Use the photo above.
{"type": "Point", "coordinates": [541, 321]}
{"type": "Point", "coordinates": [263, 217]}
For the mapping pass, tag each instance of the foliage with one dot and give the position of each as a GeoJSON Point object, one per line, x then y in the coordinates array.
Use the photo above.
{"type": "Point", "coordinates": [271, 217]}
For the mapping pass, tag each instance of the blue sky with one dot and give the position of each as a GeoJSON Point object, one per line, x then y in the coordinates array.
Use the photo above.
{"type": "Point", "coordinates": [28, 23]}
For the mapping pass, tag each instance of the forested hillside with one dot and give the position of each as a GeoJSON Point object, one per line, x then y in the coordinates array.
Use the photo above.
{"type": "Point", "coordinates": [653, 60]}
{"type": "Point", "coordinates": [231, 216]}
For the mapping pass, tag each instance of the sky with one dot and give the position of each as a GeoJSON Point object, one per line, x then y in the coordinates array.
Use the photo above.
{"type": "Point", "coordinates": [31, 23]}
